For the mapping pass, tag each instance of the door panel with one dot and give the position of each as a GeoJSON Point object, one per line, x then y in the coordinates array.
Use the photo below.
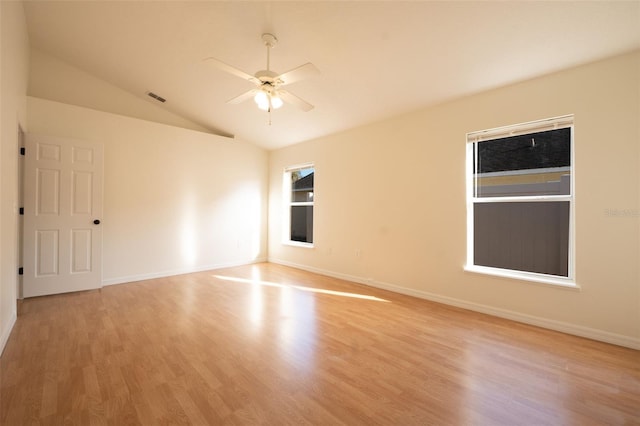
{"type": "Point", "coordinates": [48, 192]}
{"type": "Point", "coordinates": [82, 193]}
{"type": "Point", "coordinates": [81, 251]}
{"type": "Point", "coordinates": [63, 197]}
{"type": "Point", "coordinates": [47, 253]}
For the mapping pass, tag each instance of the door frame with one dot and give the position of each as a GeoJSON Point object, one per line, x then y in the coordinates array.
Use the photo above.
{"type": "Point", "coordinates": [20, 219]}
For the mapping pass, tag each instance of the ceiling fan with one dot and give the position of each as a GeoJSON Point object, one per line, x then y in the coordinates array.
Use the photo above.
{"type": "Point", "coordinates": [268, 93]}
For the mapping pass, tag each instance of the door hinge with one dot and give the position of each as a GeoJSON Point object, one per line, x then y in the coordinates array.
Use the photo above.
{"type": "Point", "coordinates": [23, 150]}
{"type": "Point", "coordinates": [21, 211]}
{"type": "Point", "coordinates": [21, 271]}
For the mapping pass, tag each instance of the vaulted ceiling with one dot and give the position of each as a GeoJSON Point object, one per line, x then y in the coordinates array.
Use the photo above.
{"type": "Point", "coordinates": [376, 59]}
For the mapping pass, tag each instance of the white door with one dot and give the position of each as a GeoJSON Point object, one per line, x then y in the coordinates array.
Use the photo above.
{"type": "Point", "coordinates": [62, 213]}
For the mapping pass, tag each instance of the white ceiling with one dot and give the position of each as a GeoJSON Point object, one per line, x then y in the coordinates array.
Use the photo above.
{"type": "Point", "coordinates": [377, 59]}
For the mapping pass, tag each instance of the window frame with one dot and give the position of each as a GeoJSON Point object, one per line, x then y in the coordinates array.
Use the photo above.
{"type": "Point", "coordinates": [473, 138]}
{"type": "Point", "coordinates": [288, 204]}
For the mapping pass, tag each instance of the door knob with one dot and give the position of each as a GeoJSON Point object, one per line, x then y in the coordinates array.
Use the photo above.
{"type": "Point", "coordinates": [96, 222]}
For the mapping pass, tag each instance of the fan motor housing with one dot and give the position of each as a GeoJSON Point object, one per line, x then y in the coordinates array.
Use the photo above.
{"type": "Point", "coordinates": [267, 77]}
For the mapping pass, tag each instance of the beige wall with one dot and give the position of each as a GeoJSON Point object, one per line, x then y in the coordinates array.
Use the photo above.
{"type": "Point", "coordinates": [175, 200]}
{"type": "Point", "coordinates": [14, 64]}
{"type": "Point", "coordinates": [390, 202]}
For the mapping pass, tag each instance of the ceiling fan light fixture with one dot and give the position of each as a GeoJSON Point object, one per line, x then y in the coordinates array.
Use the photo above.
{"type": "Point", "coordinates": [276, 101]}
{"type": "Point", "coordinates": [262, 100]}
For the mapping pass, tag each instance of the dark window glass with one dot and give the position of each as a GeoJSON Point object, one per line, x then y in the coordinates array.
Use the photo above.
{"type": "Point", "coordinates": [523, 236]}
{"type": "Point", "coordinates": [526, 165]}
{"type": "Point", "coordinates": [301, 215]}
{"type": "Point", "coordinates": [302, 224]}
{"type": "Point", "coordinates": [302, 186]}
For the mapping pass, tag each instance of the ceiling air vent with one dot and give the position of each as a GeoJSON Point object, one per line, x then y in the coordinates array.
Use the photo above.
{"type": "Point", "coordinates": [156, 97]}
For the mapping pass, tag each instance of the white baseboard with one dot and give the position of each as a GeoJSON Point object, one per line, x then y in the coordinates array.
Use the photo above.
{"type": "Point", "coordinates": [169, 273]}
{"type": "Point", "coordinates": [577, 330]}
{"type": "Point", "coordinates": [7, 332]}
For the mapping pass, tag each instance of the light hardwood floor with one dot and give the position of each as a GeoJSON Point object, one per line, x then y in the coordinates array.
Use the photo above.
{"type": "Point", "coordinates": [267, 344]}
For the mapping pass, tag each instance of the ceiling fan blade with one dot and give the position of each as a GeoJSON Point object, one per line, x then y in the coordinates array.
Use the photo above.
{"type": "Point", "coordinates": [243, 97]}
{"type": "Point", "coordinates": [303, 71]}
{"type": "Point", "coordinates": [231, 69]}
{"type": "Point", "coordinates": [294, 100]}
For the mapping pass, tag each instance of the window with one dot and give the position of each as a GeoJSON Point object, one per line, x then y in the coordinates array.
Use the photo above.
{"type": "Point", "coordinates": [298, 182]}
{"type": "Point", "coordinates": [520, 201]}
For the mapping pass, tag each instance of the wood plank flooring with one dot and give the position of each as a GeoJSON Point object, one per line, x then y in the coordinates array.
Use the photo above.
{"type": "Point", "coordinates": [270, 345]}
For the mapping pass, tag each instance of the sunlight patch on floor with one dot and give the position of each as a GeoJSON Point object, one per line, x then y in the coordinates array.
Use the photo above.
{"type": "Point", "coordinates": [301, 288]}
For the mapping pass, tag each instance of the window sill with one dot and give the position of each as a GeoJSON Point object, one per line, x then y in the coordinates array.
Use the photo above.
{"type": "Point", "coordinates": [549, 280]}
{"type": "Point", "coordinates": [298, 244]}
